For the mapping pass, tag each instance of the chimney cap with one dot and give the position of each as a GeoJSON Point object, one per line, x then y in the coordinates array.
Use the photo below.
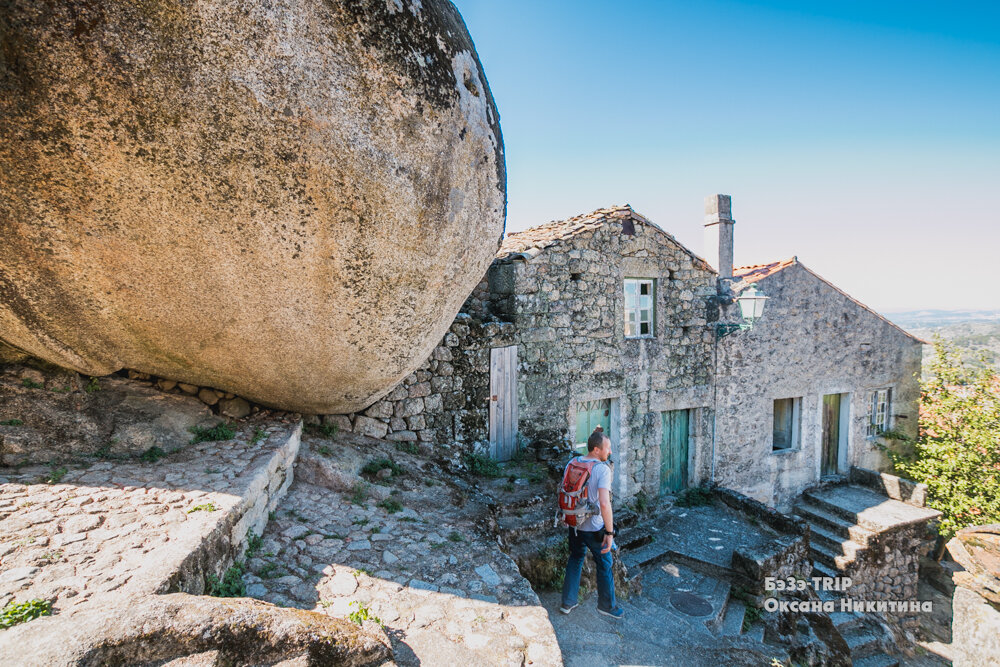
{"type": "Point", "coordinates": [718, 208]}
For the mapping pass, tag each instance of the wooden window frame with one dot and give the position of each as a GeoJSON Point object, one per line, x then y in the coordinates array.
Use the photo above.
{"type": "Point", "coordinates": [637, 308]}
{"type": "Point", "coordinates": [795, 438]}
{"type": "Point", "coordinates": [880, 412]}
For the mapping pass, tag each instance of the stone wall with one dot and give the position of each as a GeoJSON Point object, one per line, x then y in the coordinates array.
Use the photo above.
{"type": "Point", "coordinates": [813, 340]}
{"type": "Point", "coordinates": [444, 404]}
{"type": "Point", "coordinates": [888, 569]}
{"type": "Point", "coordinates": [786, 556]}
{"type": "Point", "coordinates": [566, 303]}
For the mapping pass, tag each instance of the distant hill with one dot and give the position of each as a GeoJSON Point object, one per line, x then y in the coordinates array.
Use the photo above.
{"type": "Point", "coordinates": [975, 332]}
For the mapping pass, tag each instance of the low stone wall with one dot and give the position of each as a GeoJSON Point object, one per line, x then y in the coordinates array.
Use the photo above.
{"type": "Point", "coordinates": [784, 557]}
{"type": "Point", "coordinates": [270, 476]}
{"type": "Point", "coordinates": [444, 404]}
{"type": "Point", "coordinates": [897, 488]}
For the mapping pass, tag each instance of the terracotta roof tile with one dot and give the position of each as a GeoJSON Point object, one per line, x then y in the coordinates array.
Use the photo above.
{"type": "Point", "coordinates": [748, 274]}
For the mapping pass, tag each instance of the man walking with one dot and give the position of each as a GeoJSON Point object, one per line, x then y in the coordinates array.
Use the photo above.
{"type": "Point", "coordinates": [596, 533]}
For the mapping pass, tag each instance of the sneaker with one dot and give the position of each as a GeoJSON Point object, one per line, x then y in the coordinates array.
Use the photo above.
{"type": "Point", "coordinates": [568, 608]}
{"type": "Point", "coordinates": [616, 612]}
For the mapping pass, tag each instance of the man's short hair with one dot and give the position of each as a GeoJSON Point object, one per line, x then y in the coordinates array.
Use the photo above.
{"type": "Point", "coordinates": [596, 439]}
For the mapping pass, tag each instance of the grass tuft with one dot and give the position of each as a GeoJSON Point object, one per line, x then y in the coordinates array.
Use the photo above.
{"type": "Point", "coordinates": [218, 432]}
{"type": "Point", "coordinates": [483, 466]}
{"type": "Point", "coordinates": [230, 586]}
{"type": "Point", "coordinates": [391, 505]}
{"type": "Point", "coordinates": [15, 613]}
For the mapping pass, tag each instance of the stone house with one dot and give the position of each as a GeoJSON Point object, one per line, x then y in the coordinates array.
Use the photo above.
{"type": "Point", "coordinates": [605, 318]}
{"type": "Point", "coordinates": [806, 392]}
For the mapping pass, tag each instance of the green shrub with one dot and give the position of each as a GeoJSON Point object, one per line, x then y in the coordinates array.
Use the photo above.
{"type": "Point", "coordinates": [483, 466]}
{"type": "Point", "coordinates": [31, 384]}
{"type": "Point", "coordinates": [408, 447]}
{"type": "Point", "coordinates": [93, 386]}
{"type": "Point", "coordinates": [327, 430]}
{"type": "Point", "coordinates": [547, 571]}
{"type": "Point", "coordinates": [456, 536]}
{"type": "Point", "coordinates": [152, 455]}
{"type": "Point", "coordinates": [218, 432]}
{"type": "Point", "coordinates": [22, 612]}
{"type": "Point", "coordinates": [258, 435]}
{"type": "Point", "coordinates": [324, 450]}
{"type": "Point", "coordinates": [374, 466]}
{"type": "Point", "coordinates": [641, 502]}
{"type": "Point", "coordinates": [359, 493]}
{"type": "Point", "coordinates": [205, 507]}
{"type": "Point", "coordinates": [957, 451]}
{"type": "Point", "coordinates": [12, 422]}
{"type": "Point", "coordinates": [694, 497]}
{"type": "Point", "coordinates": [391, 505]}
{"type": "Point", "coordinates": [362, 613]}
{"type": "Point", "coordinates": [56, 475]}
{"type": "Point", "coordinates": [254, 543]}
{"type": "Point", "coordinates": [230, 586]}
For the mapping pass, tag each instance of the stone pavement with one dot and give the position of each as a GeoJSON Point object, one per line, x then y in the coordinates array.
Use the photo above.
{"type": "Point", "coordinates": [74, 533]}
{"type": "Point", "coordinates": [414, 553]}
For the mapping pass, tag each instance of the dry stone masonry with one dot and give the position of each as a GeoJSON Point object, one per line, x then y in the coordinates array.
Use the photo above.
{"type": "Point", "coordinates": [443, 405]}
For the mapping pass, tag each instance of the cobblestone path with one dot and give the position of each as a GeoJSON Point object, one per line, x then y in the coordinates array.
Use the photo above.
{"type": "Point", "coordinates": [68, 534]}
{"type": "Point", "coordinates": [415, 559]}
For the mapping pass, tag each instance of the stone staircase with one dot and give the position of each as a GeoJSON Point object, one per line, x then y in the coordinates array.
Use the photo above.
{"type": "Point", "coordinates": [838, 537]}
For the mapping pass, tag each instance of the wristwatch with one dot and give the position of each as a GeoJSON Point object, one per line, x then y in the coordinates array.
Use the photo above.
{"type": "Point", "coordinates": [609, 532]}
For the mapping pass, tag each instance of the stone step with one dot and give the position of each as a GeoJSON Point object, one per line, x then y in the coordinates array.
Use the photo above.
{"type": "Point", "coordinates": [834, 543]}
{"type": "Point", "coordinates": [756, 632]}
{"type": "Point", "coordinates": [876, 660]}
{"type": "Point", "coordinates": [732, 624]}
{"type": "Point", "coordinates": [830, 558]}
{"type": "Point", "coordinates": [846, 621]}
{"type": "Point", "coordinates": [833, 523]}
{"type": "Point", "coordinates": [633, 538]}
{"type": "Point", "coordinates": [862, 641]}
{"type": "Point", "coordinates": [719, 599]}
{"type": "Point", "coordinates": [821, 570]}
{"type": "Point", "coordinates": [529, 523]}
{"type": "Point", "coordinates": [816, 499]}
{"type": "Point", "coordinates": [645, 556]}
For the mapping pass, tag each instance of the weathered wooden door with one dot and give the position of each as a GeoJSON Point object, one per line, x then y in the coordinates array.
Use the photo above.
{"type": "Point", "coordinates": [674, 451]}
{"type": "Point", "coordinates": [590, 415]}
{"type": "Point", "coordinates": [831, 434]}
{"type": "Point", "coordinates": [503, 402]}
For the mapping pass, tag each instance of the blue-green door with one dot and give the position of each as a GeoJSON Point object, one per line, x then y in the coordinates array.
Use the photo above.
{"type": "Point", "coordinates": [590, 415]}
{"type": "Point", "coordinates": [674, 451]}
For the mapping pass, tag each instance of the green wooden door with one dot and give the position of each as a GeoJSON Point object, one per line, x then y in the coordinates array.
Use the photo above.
{"type": "Point", "coordinates": [831, 434]}
{"type": "Point", "coordinates": [674, 451]}
{"type": "Point", "coordinates": [590, 415]}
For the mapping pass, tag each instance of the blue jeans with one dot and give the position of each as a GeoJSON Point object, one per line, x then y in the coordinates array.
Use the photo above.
{"type": "Point", "coordinates": [579, 542]}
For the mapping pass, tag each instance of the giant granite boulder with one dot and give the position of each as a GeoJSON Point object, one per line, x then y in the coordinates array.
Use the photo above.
{"type": "Point", "coordinates": [285, 200]}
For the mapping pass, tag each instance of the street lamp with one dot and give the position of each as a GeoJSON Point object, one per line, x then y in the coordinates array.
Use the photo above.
{"type": "Point", "coordinates": [751, 301]}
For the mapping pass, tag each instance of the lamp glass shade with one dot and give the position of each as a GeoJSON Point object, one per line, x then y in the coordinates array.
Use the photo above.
{"type": "Point", "coordinates": [752, 303]}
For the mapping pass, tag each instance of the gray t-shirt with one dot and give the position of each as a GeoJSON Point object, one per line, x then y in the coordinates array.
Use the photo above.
{"type": "Point", "coordinates": [600, 478]}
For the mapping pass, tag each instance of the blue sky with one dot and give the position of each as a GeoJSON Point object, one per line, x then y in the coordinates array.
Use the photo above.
{"type": "Point", "coordinates": [863, 137]}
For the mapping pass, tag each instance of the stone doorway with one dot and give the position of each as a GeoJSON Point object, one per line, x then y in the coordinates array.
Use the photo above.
{"type": "Point", "coordinates": [835, 430]}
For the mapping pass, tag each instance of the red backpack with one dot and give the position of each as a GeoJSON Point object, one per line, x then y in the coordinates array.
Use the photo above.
{"type": "Point", "coordinates": [574, 505]}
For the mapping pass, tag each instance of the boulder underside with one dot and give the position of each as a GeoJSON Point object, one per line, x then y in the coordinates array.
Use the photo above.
{"type": "Point", "coordinates": [287, 201]}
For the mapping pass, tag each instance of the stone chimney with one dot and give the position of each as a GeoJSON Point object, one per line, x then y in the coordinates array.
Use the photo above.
{"type": "Point", "coordinates": [719, 234]}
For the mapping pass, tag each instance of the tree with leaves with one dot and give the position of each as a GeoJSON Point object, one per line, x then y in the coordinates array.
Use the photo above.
{"type": "Point", "coordinates": [957, 451]}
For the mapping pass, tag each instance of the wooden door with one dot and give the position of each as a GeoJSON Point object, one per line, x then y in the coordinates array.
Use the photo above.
{"type": "Point", "coordinates": [674, 451]}
{"type": "Point", "coordinates": [831, 434]}
{"type": "Point", "coordinates": [590, 415]}
{"type": "Point", "coordinates": [503, 402]}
